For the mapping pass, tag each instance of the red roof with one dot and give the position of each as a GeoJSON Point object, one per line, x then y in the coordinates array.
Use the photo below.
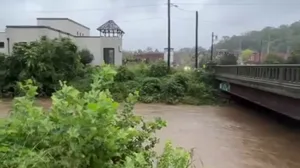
{"type": "Point", "coordinates": [150, 56]}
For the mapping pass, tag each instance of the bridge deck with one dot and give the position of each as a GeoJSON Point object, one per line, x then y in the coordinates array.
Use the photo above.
{"type": "Point", "coordinates": [276, 87]}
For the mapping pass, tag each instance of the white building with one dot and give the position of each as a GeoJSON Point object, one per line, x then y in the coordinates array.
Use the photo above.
{"type": "Point", "coordinates": [171, 55]}
{"type": "Point", "coordinates": [106, 48]}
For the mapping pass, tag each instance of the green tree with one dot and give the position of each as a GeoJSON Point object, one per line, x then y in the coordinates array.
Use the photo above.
{"type": "Point", "coordinates": [81, 130]}
{"type": "Point", "coordinates": [246, 54]}
{"type": "Point", "coordinates": [273, 59]}
{"type": "Point", "coordinates": [280, 39]}
{"type": "Point", "coordinates": [228, 59]}
{"type": "Point", "coordinates": [86, 57]}
{"type": "Point", "coordinates": [294, 58]}
{"type": "Point", "coordinates": [46, 61]}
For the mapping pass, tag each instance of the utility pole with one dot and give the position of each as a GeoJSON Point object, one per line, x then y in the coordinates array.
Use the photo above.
{"type": "Point", "coordinates": [169, 34]}
{"type": "Point", "coordinates": [260, 50]}
{"type": "Point", "coordinates": [196, 48]}
{"type": "Point", "coordinates": [268, 48]}
{"type": "Point", "coordinates": [212, 46]}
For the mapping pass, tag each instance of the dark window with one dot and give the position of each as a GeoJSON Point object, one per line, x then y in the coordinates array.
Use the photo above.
{"type": "Point", "coordinates": [77, 33]}
{"type": "Point", "coordinates": [109, 55]}
{"type": "Point", "coordinates": [2, 45]}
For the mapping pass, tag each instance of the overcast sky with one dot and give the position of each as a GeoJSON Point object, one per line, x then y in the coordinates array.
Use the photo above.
{"type": "Point", "coordinates": [145, 21]}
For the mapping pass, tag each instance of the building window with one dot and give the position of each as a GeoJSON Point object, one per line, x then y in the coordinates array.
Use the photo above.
{"type": "Point", "coordinates": [2, 45]}
{"type": "Point", "coordinates": [82, 34]}
{"type": "Point", "coordinates": [77, 34]}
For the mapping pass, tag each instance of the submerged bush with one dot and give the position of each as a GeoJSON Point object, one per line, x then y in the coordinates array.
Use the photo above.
{"type": "Point", "coordinates": [200, 91]}
{"type": "Point", "coordinates": [172, 92]}
{"type": "Point", "coordinates": [82, 130]}
{"type": "Point", "coordinates": [182, 79]}
{"type": "Point", "coordinates": [150, 90]}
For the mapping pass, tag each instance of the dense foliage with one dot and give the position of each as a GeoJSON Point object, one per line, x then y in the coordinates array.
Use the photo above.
{"type": "Point", "coordinates": [273, 59]}
{"type": "Point", "coordinates": [280, 38]}
{"type": "Point", "coordinates": [82, 129]}
{"type": "Point", "coordinates": [284, 39]}
{"type": "Point", "coordinates": [159, 69]}
{"type": "Point", "coordinates": [228, 59]}
{"type": "Point", "coordinates": [86, 57]}
{"type": "Point", "coordinates": [46, 61]}
{"type": "Point", "coordinates": [171, 87]}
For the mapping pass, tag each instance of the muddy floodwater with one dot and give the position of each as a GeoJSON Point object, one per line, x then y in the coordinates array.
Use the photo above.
{"type": "Point", "coordinates": [224, 137]}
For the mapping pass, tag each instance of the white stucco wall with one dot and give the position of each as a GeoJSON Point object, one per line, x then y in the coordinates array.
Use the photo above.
{"type": "Point", "coordinates": [93, 44]}
{"type": "Point", "coordinates": [3, 39]}
{"type": "Point", "coordinates": [113, 42]}
{"type": "Point", "coordinates": [64, 25]}
{"type": "Point", "coordinates": [54, 34]}
{"type": "Point", "coordinates": [16, 35]}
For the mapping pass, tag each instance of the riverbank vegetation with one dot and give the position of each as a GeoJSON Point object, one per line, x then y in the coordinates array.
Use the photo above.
{"type": "Point", "coordinates": [48, 61]}
{"type": "Point", "coordinates": [83, 130]}
{"type": "Point", "coordinates": [86, 126]}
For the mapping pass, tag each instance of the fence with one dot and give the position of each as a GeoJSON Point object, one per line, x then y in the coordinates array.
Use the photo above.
{"type": "Point", "coordinates": [280, 73]}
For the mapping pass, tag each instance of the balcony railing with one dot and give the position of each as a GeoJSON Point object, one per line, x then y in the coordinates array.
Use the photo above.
{"type": "Point", "coordinates": [283, 73]}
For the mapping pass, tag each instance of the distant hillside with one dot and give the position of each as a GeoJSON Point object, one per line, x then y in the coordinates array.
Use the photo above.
{"type": "Point", "coordinates": [281, 40]}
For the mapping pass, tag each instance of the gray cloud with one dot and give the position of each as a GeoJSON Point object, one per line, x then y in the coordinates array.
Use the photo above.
{"type": "Point", "coordinates": [145, 22]}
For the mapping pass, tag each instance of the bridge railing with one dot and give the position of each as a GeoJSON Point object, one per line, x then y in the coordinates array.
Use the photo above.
{"type": "Point", "coordinates": [283, 73]}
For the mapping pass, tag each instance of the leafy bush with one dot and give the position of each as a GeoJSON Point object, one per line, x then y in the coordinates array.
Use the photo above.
{"type": "Point", "coordinates": [172, 92]}
{"type": "Point", "coordinates": [86, 57]}
{"type": "Point", "coordinates": [206, 77]}
{"type": "Point", "coordinates": [119, 91]}
{"type": "Point", "coordinates": [45, 61]}
{"type": "Point", "coordinates": [82, 130]}
{"type": "Point", "coordinates": [158, 69]}
{"type": "Point", "coordinates": [139, 70]}
{"type": "Point", "coordinates": [150, 90]}
{"type": "Point", "coordinates": [182, 79]}
{"type": "Point", "coordinates": [132, 86]}
{"type": "Point", "coordinates": [203, 93]}
{"type": "Point", "coordinates": [124, 74]}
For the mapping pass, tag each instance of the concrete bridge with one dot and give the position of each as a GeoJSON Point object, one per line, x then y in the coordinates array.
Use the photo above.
{"type": "Point", "coordinates": [276, 87]}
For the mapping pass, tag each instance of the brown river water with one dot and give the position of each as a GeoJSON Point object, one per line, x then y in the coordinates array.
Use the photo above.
{"type": "Point", "coordinates": [223, 137]}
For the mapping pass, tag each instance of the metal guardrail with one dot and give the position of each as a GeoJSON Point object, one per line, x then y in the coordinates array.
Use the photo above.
{"type": "Point", "coordinates": [283, 73]}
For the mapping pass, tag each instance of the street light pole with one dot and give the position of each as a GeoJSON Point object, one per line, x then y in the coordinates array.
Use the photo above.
{"type": "Point", "coordinates": [196, 46]}
{"type": "Point", "coordinates": [169, 33]}
{"type": "Point", "coordinates": [212, 46]}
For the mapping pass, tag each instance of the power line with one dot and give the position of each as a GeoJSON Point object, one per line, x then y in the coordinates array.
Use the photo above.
{"type": "Point", "coordinates": [179, 8]}
{"type": "Point", "coordinates": [152, 18]}
{"type": "Point", "coordinates": [237, 4]}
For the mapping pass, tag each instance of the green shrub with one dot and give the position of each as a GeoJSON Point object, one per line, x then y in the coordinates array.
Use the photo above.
{"type": "Point", "coordinates": [150, 90]}
{"type": "Point", "coordinates": [124, 74]}
{"type": "Point", "coordinates": [82, 84]}
{"type": "Point", "coordinates": [82, 130]}
{"type": "Point", "coordinates": [200, 91]}
{"type": "Point", "coordinates": [158, 69]}
{"type": "Point", "coordinates": [182, 79]}
{"type": "Point", "coordinates": [172, 92]}
{"type": "Point", "coordinates": [190, 100]}
{"type": "Point", "coordinates": [200, 75]}
{"type": "Point", "coordinates": [132, 86]}
{"type": "Point", "coordinates": [139, 70]}
{"type": "Point", "coordinates": [86, 57]}
{"type": "Point", "coordinates": [46, 61]}
{"type": "Point", "coordinates": [118, 91]}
